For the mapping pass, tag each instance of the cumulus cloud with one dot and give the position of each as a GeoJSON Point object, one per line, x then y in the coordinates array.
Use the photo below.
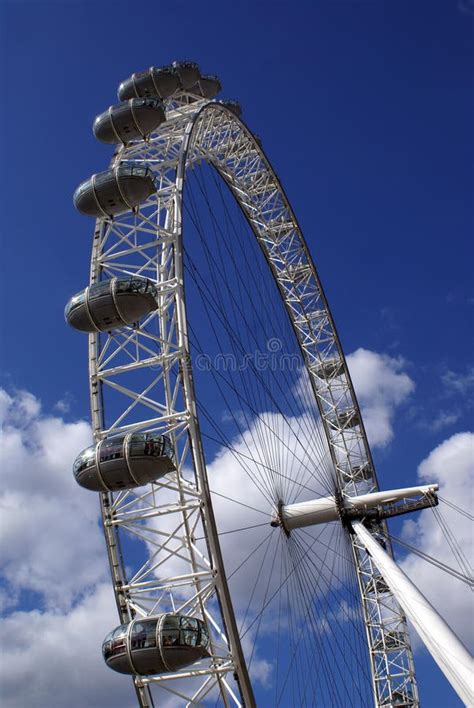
{"type": "Point", "coordinates": [54, 558]}
{"type": "Point", "coordinates": [381, 386]}
{"type": "Point", "coordinates": [50, 539]}
{"type": "Point", "coordinates": [54, 658]}
{"type": "Point", "coordinates": [52, 544]}
{"type": "Point", "coordinates": [451, 466]}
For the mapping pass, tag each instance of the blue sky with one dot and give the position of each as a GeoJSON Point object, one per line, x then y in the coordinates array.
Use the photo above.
{"type": "Point", "coordinates": [365, 110]}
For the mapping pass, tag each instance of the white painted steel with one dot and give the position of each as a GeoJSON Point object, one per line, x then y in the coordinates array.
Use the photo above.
{"type": "Point", "coordinates": [149, 243]}
{"type": "Point", "coordinates": [326, 509]}
{"type": "Point", "coordinates": [444, 646]}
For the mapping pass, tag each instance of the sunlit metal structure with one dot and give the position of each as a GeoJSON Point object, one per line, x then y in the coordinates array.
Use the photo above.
{"type": "Point", "coordinates": [141, 382]}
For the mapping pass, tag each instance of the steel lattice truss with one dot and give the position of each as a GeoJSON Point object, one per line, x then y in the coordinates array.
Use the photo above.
{"type": "Point", "coordinates": [141, 379]}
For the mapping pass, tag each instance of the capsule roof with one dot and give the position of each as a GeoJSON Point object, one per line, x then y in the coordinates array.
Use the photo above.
{"type": "Point", "coordinates": [233, 106]}
{"type": "Point", "coordinates": [208, 86]}
{"type": "Point", "coordinates": [165, 81]}
{"type": "Point", "coordinates": [114, 191]}
{"type": "Point", "coordinates": [129, 120]}
{"type": "Point", "coordinates": [188, 73]}
{"type": "Point", "coordinates": [161, 82]}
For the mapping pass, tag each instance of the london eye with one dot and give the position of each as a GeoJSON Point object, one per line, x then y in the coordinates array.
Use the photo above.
{"type": "Point", "coordinates": [245, 526]}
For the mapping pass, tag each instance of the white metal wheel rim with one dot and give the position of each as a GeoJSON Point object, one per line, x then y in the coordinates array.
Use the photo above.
{"type": "Point", "coordinates": [203, 130]}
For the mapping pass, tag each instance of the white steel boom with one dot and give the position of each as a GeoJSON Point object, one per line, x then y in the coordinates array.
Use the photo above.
{"type": "Point", "coordinates": [325, 509]}
{"type": "Point", "coordinates": [444, 646]}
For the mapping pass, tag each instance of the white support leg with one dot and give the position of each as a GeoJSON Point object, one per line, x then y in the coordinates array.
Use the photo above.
{"type": "Point", "coordinates": [446, 649]}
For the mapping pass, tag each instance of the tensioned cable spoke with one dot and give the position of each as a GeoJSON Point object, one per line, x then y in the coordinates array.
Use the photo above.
{"type": "Point", "coordinates": [242, 399]}
{"type": "Point", "coordinates": [333, 575]}
{"type": "Point", "coordinates": [242, 528]}
{"type": "Point", "coordinates": [249, 393]}
{"type": "Point", "coordinates": [456, 508]}
{"type": "Point", "coordinates": [257, 578]}
{"type": "Point", "coordinates": [250, 555]}
{"type": "Point", "coordinates": [352, 597]}
{"type": "Point", "coordinates": [453, 543]}
{"type": "Point", "coordinates": [232, 337]}
{"type": "Point", "coordinates": [223, 314]}
{"type": "Point", "coordinates": [329, 620]}
{"type": "Point", "coordinates": [468, 579]}
{"type": "Point", "coordinates": [270, 299]}
{"type": "Point", "coordinates": [259, 624]}
{"type": "Point", "coordinates": [305, 599]}
{"type": "Point", "coordinates": [242, 454]}
{"type": "Point", "coordinates": [236, 501]}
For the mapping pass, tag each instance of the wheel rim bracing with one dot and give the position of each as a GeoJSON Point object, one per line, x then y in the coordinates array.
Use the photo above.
{"type": "Point", "coordinates": [162, 540]}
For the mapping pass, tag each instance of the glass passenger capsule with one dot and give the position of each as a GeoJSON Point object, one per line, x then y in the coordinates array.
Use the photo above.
{"type": "Point", "coordinates": [233, 106]}
{"type": "Point", "coordinates": [111, 303]}
{"type": "Point", "coordinates": [156, 645]}
{"type": "Point", "coordinates": [124, 462]}
{"type": "Point", "coordinates": [152, 82]}
{"type": "Point", "coordinates": [131, 119]}
{"type": "Point", "coordinates": [188, 73]}
{"type": "Point", "coordinates": [207, 86]}
{"type": "Point", "coordinates": [114, 191]}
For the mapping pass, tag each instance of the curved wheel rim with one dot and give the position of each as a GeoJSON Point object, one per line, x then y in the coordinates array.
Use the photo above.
{"type": "Point", "coordinates": [210, 131]}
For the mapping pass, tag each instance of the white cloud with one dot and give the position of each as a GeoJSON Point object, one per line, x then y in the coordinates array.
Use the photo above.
{"type": "Point", "coordinates": [443, 420]}
{"type": "Point", "coordinates": [51, 545]}
{"type": "Point", "coordinates": [381, 386]}
{"type": "Point", "coordinates": [64, 403]}
{"type": "Point", "coordinates": [451, 466]}
{"type": "Point", "coordinates": [54, 659]}
{"type": "Point", "coordinates": [458, 383]}
{"type": "Point", "coordinates": [50, 540]}
{"type": "Point", "coordinates": [5, 403]}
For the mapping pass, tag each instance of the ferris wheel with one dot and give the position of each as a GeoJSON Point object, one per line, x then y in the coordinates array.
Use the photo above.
{"type": "Point", "coordinates": [245, 528]}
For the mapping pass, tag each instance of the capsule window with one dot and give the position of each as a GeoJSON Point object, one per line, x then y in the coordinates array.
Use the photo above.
{"type": "Point", "coordinates": [137, 285]}
{"type": "Point", "coordinates": [190, 631]}
{"type": "Point", "coordinates": [107, 649]}
{"type": "Point", "coordinates": [153, 446]}
{"type": "Point", "coordinates": [111, 449]}
{"type": "Point", "coordinates": [84, 460]}
{"type": "Point", "coordinates": [99, 290]}
{"type": "Point", "coordinates": [190, 638]}
{"type": "Point", "coordinates": [171, 622]}
{"type": "Point", "coordinates": [138, 637]}
{"type": "Point", "coordinates": [118, 642]}
{"type": "Point", "coordinates": [204, 638]}
{"type": "Point", "coordinates": [171, 638]}
{"type": "Point", "coordinates": [146, 445]}
{"type": "Point", "coordinates": [74, 302]}
{"type": "Point", "coordinates": [120, 631]}
{"type": "Point", "coordinates": [149, 629]}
